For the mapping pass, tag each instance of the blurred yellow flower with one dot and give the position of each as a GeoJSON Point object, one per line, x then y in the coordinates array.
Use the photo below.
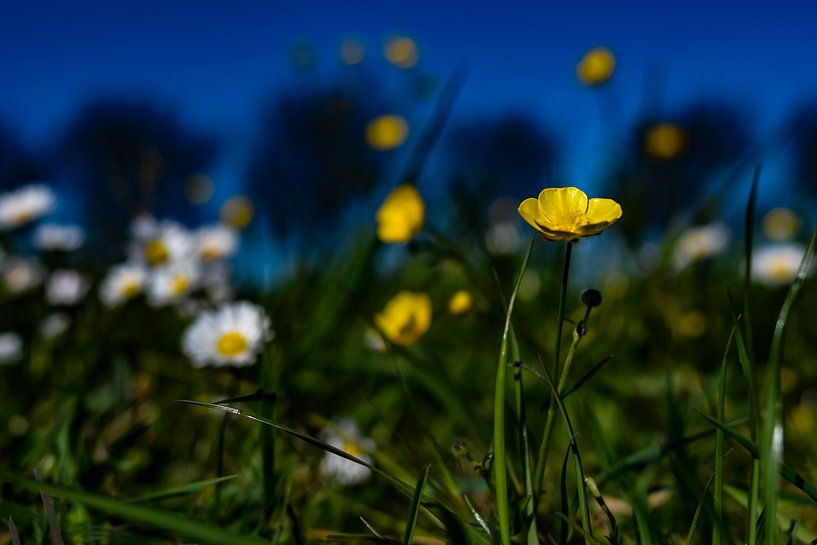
{"type": "Point", "coordinates": [781, 224]}
{"type": "Point", "coordinates": [401, 51]}
{"type": "Point", "coordinates": [405, 318]}
{"type": "Point", "coordinates": [237, 212]}
{"type": "Point", "coordinates": [596, 67]}
{"type": "Point", "coordinates": [401, 215]}
{"type": "Point", "coordinates": [565, 213]}
{"type": "Point", "coordinates": [460, 303]}
{"type": "Point", "coordinates": [665, 141]}
{"type": "Point", "coordinates": [387, 132]}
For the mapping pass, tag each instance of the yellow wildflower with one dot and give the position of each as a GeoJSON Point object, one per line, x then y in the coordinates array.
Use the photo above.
{"type": "Point", "coordinates": [460, 303]}
{"type": "Point", "coordinates": [405, 318]}
{"type": "Point", "coordinates": [401, 215]}
{"type": "Point", "coordinates": [665, 141]}
{"type": "Point", "coordinates": [237, 212]}
{"type": "Point", "coordinates": [401, 51]}
{"type": "Point", "coordinates": [387, 132]}
{"type": "Point", "coordinates": [596, 67]}
{"type": "Point", "coordinates": [781, 224]}
{"type": "Point", "coordinates": [565, 213]}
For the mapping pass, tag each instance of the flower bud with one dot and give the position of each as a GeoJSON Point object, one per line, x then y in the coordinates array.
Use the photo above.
{"type": "Point", "coordinates": [461, 448]}
{"type": "Point", "coordinates": [591, 297]}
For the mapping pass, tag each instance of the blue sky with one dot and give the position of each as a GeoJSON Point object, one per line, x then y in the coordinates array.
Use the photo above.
{"type": "Point", "coordinates": [215, 62]}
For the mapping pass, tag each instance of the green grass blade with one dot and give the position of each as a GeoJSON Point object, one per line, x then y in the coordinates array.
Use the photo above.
{"type": "Point", "coordinates": [719, 448]}
{"type": "Point", "coordinates": [698, 510]}
{"type": "Point", "coordinates": [801, 533]}
{"type": "Point", "coordinates": [15, 536]}
{"type": "Point", "coordinates": [587, 376]}
{"type": "Point", "coordinates": [748, 245]}
{"type": "Point", "coordinates": [786, 472]}
{"type": "Point", "coordinates": [415, 506]}
{"type": "Point", "coordinates": [771, 436]}
{"type": "Point", "coordinates": [181, 490]}
{"type": "Point", "coordinates": [196, 529]}
{"type": "Point", "coordinates": [500, 462]}
{"type": "Point", "coordinates": [399, 484]}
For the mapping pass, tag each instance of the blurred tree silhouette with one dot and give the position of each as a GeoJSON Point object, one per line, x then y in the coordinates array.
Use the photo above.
{"type": "Point", "coordinates": [311, 160]}
{"type": "Point", "coordinates": [126, 157]}
{"type": "Point", "coordinates": [652, 187]}
{"type": "Point", "coordinates": [18, 165]}
{"type": "Point", "coordinates": [805, 149]}
{"type": "Point", "coordinates": [505, 156]}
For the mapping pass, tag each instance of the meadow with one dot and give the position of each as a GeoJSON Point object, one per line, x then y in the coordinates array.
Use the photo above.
{"type": "Point", "coordinates": [616, 361]}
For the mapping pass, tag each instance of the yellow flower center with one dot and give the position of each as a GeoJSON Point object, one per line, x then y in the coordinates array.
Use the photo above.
{"type": "Point", "coordinates": [210, 253]}
{"type": "Point", "coordinates": [130, 288]}
{"type": "Point", "coordinates": [231, 344]}
{"type": "Point", "coordinates": [350, 447]}
{"type": "Point", "coordinates": [179, 284]}
{"type": "Point", "coordinates": [780, 269]}
{"type": "Point", "coordinates": [22, 216]}
{"type": "Point", "coordinates": [156, 252]}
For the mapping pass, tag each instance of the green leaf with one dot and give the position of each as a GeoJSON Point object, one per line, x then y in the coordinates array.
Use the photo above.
{"type": "Point", "coordinates": [415, 506]}
{"type": "Point", "coordinates": [196, 529]}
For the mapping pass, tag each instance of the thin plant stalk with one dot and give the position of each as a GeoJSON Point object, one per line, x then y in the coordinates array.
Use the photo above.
{"type": "Point", "coordinates": [500, 461]}
{"type": "Point", "coordinates": [544, 445]}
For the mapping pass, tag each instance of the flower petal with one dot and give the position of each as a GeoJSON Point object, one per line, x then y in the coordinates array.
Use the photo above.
{"type": "Point", "coordinates": [561, 207]}
{"type": "Point", "coordinates": [529, 210]}
{"type": "Point", "coordinates": [603, 211]}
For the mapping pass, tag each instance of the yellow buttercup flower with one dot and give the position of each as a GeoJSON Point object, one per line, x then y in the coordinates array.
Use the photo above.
{"type": "Point", "coordinates": [781, 224]}
{"type": "Point", "coordinates": [565, 213]}
{"type": "Point", "coordinates": [401, 51]}
{"type": "Point", "coordinates": [665, 141]}
{"type": "Point", "coordinates": [460, 303]}
{"type": "Point", "coordinates": [387, 132]}
{"type": "Point", "coordinates": [237, 212]}
{"type": "Point", "coordinates": [401, 215]}
{"type": "Point", "coordinates": [596, 67]}
{"type": "Point", "coordinates": [405, 318]}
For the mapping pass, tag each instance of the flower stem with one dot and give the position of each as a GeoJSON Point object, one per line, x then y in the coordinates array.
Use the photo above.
{"type": "Point", "coordinates": [539, 472]}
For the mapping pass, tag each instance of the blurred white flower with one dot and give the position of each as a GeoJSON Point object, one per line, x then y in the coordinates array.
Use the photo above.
{"type": "Point", "coordinates": [216, 242]}
{"type": "Point", "coordinates": [345, 436]}
{"type": "Point", "coordinates": [25, 205]}
{"type": "Point", "coordinates": [698, 243]}
{"type": "Point", "coordinates": [171, 284]}
{"type": "Point", "coordinates": [215, 279]}
{"type": "Point", "coordinates": [54, 325]}
{"type": "Point", "coordinates": [21, 275]}
{"type": "Point", "coordinates": [11, 348]}
{"type": "Point", "coordinates": [51, 237]}
{"type": "Point", "coordinates": [65, 288]}
{"type": "Point", "coordinates": [503, 238]}
{"type": "Point", "coordinates": [374, 340]}
{"type": "Point", "coordinates": [160, 244]}
{"type": "Point", "coordinates": [122, 283]}
{"type": "Point", "coordinates": [231, 335]}
{"type": "Point", "coordinates": [776, 265]}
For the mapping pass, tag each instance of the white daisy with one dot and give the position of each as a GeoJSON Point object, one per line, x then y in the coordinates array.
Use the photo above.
{"type": "Point", "coordinates": [54, 325]}
{"type": "Point", "coordinates": [216, 242]}
{"type": "Point", "coordinates": [65, 288]}
{"type": "Point", "coordinates": [25, 205]}
{"type": "Point", "coordinates": [122, 283]}
{"type": "Point", "coordinates": [51, 237]}
{"type": "Point", "coordinates": [777, 264]}
{"type": "Point", "coordinates": [503, 238]}
{"type": "Point", "coordinates": [161, 244]}
{"type": "Point", "coordinates": [11, 348]}
{"type": "Point", "coordinates": [230, 335]}
{"type": "Point", "coordinates": [171, 284]}
{"type": "Point", "coordinates": [345, 436]}
{"type": "Point", "coordinates": [21, 275]}
{"type": "Point", "coordinates": [698, 243]}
